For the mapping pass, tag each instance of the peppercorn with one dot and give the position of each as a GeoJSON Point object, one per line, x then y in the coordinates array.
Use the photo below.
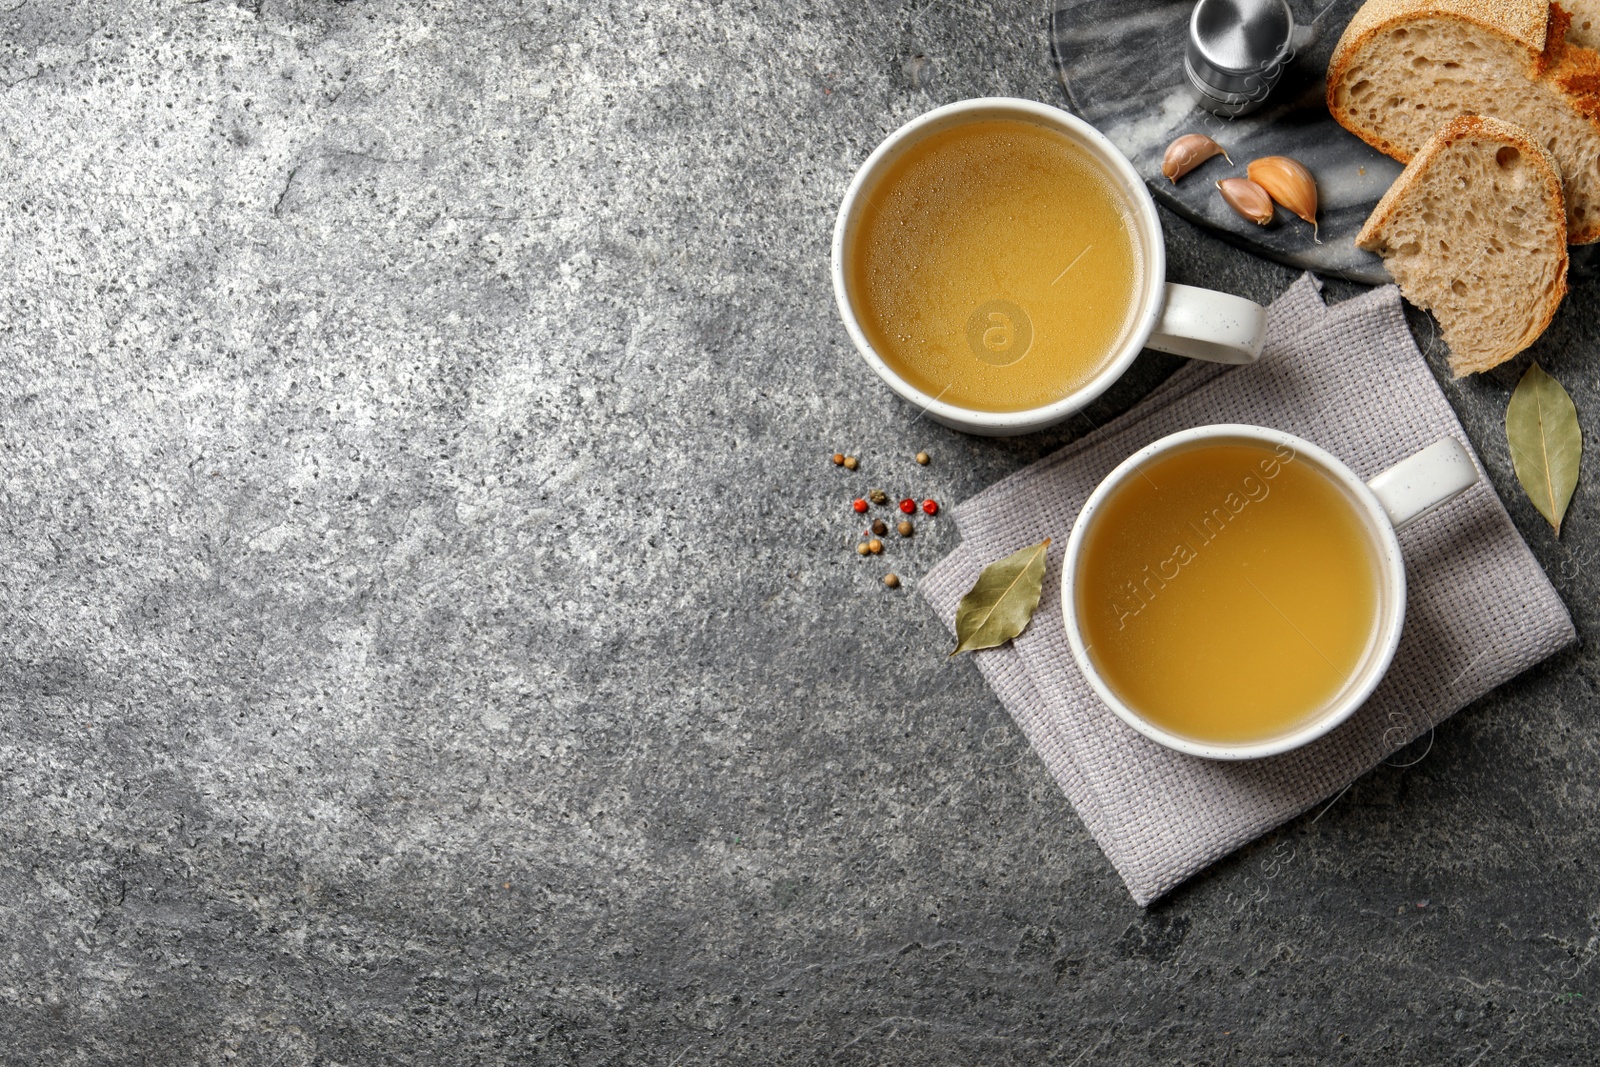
{"type": "Point", "coordinates": [930, 507]}
{"type": "Point", "coordinates": [892, 581]}
{"type": "Point", "coordinates": [880, 527]}
{"type": "Point", "coordinates": [875, 546]}
{"type": "Point", "coordinates": [851, 463]}
{"type": "Point", "coordinates": [923, 459]}
{"type": "Point", "coordinates": [838, 459]}
{"type": "Point", "coordinates": [878, 496]}
{"type": "Point", "coordinates": [908, 505]}
{"type": "Point", "coordinates": [860, 506]}
{"type": "Point", "coordinates": [862, 549]}
{"type": "Point", "coordinates": [905, 528]}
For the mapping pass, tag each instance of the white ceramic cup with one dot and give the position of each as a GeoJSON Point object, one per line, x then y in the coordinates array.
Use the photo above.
{"type": "Point", "coordinates": [1181, 319]}
{"type": "Point", "coordinates": [1391, 501]}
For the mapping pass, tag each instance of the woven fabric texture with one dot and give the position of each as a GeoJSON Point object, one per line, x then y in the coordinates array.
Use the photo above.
{"type": "Point", "coordinates": [1479, 608]}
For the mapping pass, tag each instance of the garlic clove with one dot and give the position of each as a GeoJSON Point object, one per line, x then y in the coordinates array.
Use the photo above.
{"type": "Point", "coordinates": [1247, 198]}
{"type": "Point", "coordinates": [1289, 183]}
{"type": "Point", "coordinates": [1187, 153]}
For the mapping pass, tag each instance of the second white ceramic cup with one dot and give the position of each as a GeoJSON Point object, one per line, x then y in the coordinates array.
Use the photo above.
{"type": "Point", "coordinates": [1181, 319]}
{"type": "Point", "coordinates": [1389, 502]}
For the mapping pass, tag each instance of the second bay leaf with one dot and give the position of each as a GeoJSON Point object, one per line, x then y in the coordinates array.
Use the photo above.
{"type": "Point", "coordinates": [1546, 443]}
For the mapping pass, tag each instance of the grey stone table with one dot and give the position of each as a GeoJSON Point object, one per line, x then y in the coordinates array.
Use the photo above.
{"type": "Point", "coordinates": [427, 628]}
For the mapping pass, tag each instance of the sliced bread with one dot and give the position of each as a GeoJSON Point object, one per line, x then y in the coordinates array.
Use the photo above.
{"type": "Point", "coordinates": [1404, 67]}
{"type": "Point", "coordinates": [1474, 230]}
{"type": "Point", "coordinates": [1585, 29]}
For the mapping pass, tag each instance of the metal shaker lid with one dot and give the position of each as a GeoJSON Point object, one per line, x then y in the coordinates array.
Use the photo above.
{"type": "Point", "coordinates": [1236, 51]}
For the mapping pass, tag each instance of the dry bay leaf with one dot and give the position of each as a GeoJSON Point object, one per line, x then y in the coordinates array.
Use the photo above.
{"type": "Point", "coordinates": [1546, 442]}
{"type": "Point", "coordinates": [1002, 600]}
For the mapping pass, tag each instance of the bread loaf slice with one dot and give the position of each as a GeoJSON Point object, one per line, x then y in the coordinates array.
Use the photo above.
{"type": "Point", "coordinates": [1585, 29]}
{"type": "Point", "coordinates": [1405, 67]}
{"type": "Point", "coordinates": [1474, 230]}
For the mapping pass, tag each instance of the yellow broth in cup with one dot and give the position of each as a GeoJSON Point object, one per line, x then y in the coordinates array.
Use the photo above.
{"type": "Point", "coordinates": [994, 265]}
{"type": "Point", "coordinates": [1228, 592]}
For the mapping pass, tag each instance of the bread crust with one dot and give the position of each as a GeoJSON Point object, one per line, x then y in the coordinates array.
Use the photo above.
{"type": "Point", "coordinates": [1575, 68]}
{"type": "Point", "coordinates": [1482, 128]}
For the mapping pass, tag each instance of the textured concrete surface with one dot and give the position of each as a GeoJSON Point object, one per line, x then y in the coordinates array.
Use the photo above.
{"type": "Point", "coordinates": [427, 629]}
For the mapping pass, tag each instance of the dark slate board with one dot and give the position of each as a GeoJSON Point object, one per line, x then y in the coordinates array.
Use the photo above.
{"type": "Point", "coordinates": [1121, 63]}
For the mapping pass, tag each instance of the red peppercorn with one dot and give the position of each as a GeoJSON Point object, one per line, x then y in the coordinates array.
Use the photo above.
{"type": "Point", "coordinates": [860, 505]}
{"type": "Point", "coordinates": [908, 505]}
{"type": "Point", "coordinates": [930, 507]}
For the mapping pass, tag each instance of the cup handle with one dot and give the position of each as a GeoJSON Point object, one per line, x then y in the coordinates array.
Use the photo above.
{"type": "Point", "coordinates": [1205, 324]}
{"type": "Point", "coordinates": [1421, 482]}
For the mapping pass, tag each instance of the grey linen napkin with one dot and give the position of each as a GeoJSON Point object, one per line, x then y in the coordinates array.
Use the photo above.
{"type": "Point", "coordinates": [1480, 610]}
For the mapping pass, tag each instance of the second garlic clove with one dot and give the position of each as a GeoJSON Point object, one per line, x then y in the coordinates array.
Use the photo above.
{"type": "Point", "coordinates": [1247, 198]}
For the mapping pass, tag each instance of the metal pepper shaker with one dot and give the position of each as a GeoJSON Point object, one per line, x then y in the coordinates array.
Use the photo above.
{"type": "Point", "coordinates": [1237, 50]}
